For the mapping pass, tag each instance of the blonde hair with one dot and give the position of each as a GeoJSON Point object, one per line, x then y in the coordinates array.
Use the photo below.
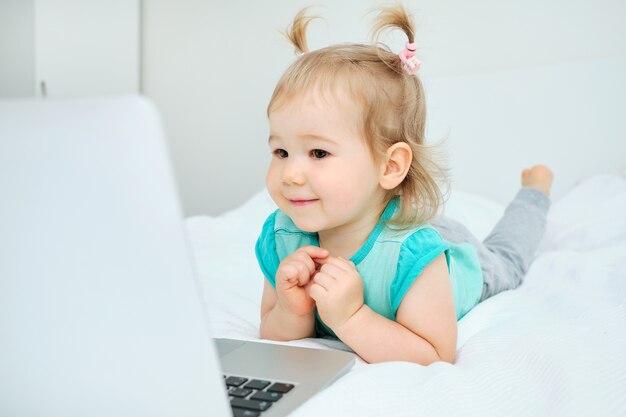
{"type": "Point", "coordinates": [392, 102]}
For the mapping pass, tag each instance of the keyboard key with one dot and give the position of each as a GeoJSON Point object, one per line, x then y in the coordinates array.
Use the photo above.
{"type": "Point", "coordinates": [250, 404]}
{"type": "Point", "coordinates": [240, 412]}
{"type": "Point", "coordinates": [282, 388]}
{"type": "Point", "coordinates": [267, 396]}
{"type": "Point", "coordinates": [257, 384]}
{"type": "Point", "coordinates": [235, 381]}
{"type": "Point", "coordinates": [239, 392]}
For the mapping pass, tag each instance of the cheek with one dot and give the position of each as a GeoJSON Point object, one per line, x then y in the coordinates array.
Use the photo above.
{"type": "Point", "coordinates": [272, 180]}
{"type": "Point", "coordinates": [360, 172]}
{"type": "Point", "coordinates": [351, 185]}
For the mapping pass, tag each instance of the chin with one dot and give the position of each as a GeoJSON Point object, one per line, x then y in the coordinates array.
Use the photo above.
{"type": "Point", "coordinates": [308, 227]}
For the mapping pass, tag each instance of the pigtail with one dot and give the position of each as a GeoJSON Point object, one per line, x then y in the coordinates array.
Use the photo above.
{"type": "Point", "coordinates": [421, 191]}
{"type": "Point", "coordinates": [395, 17]}
{"type": "Point", "coordinates": [296, 32]}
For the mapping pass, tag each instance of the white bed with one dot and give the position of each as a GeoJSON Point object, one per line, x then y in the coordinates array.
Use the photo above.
{"type": "Point", "coordinates": [555, 346]}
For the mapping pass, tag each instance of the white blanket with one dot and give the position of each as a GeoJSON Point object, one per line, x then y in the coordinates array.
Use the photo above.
{"type": "Point", "coordinates": [555, 346]}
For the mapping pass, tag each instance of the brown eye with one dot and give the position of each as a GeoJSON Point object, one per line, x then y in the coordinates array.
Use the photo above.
{"type": "Point", "coordinates": [319, 153]}
{"type": "Point", "coordinates": [281, 153]}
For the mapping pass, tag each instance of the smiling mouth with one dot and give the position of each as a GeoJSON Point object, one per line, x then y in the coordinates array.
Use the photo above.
{"type": "Point", "coordinates": [300, 203]}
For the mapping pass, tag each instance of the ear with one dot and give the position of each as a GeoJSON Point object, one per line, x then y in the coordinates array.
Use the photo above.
{"type": "Point", "coordinates": [395, 165]}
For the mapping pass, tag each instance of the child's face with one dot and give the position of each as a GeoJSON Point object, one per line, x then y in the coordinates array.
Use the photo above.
{"type": "Point", "coordinates": [322, 173]}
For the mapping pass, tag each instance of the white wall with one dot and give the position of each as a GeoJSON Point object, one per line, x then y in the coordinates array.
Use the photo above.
{"type": "Point", "coordinates": [569, 116]}
{"type": "Point", "coordinates": [17, 48]}
{"type": "Point", "coordinates": [87, 47]}
{"type": "Point", "coordinates": [74, 47]}
{"type": "Point", "coordinates": [211, 68]}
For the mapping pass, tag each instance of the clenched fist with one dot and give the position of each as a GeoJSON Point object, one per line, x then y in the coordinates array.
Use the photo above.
{"type": "Point", "coordinates": [293, 279]}
{"type": "Point", "coordinates": [338, 291]}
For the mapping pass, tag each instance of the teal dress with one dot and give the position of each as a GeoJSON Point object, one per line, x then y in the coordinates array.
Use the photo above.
{"type": "Point", "coordinates": [389, 261]}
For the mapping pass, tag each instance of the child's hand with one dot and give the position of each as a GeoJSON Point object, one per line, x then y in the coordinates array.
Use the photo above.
{"type": "Point", "coordinates": [293, 279]}
{"type": "Point", "coordinates": [338, 291]}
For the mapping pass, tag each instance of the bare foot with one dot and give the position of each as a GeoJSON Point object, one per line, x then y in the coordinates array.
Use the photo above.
{"type": "Point", "coordinates": [538, 177]}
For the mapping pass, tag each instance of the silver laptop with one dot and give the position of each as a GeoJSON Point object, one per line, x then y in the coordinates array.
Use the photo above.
{"type": "Point", "coordinates": [99, 309]}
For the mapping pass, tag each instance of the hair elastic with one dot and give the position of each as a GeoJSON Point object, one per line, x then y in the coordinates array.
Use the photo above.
{"type": "Point", "coordinates": [410, 63]}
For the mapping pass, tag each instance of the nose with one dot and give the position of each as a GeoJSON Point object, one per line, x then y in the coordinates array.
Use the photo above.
{"type": "Point", "coordinates": [293, 172]}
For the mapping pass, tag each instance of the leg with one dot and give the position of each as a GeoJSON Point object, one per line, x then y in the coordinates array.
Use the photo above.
{"type": "Point", "coordinates": [510, 247]}
{"type": "Point", "coordinates": [507, 252]}
{"type": "Point", "coordinates": [513, 242]}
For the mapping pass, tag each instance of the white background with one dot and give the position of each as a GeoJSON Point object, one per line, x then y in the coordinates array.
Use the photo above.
{"type": "Point", "coordinates": [87, 47]}
{"type": "Point", "coordinates": [17, 48]}
{"type": "Point", "coordinates": [73, 47]}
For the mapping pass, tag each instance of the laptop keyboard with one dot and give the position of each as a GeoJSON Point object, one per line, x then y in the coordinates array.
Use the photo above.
{"type": "Point", "coordinates": [250, 397]}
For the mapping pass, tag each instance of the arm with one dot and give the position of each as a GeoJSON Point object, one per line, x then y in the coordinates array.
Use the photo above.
{"type": "Point", "coordinates": [425, 330]}
{"type": "Point", "coordinates": [278, 324]}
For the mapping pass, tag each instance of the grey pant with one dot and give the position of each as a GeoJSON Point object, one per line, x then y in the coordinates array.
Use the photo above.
{"type": "Point", "coordinates": [507, 252]}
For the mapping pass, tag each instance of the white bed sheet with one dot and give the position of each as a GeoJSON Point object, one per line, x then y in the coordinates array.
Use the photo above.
{"type": "Point", "coordinates": [555, 346]}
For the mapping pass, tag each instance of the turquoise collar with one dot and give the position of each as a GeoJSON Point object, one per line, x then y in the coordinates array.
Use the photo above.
{"type": "Point", "coordinates": [369, 243]}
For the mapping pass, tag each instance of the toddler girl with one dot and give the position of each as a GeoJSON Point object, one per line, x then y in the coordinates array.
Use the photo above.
{"type": "Point", "coordinates": [356, 250]}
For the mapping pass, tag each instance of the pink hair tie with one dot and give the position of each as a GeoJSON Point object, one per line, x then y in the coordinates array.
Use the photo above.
{"type": "Point", "coordinates": [410, 63]}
